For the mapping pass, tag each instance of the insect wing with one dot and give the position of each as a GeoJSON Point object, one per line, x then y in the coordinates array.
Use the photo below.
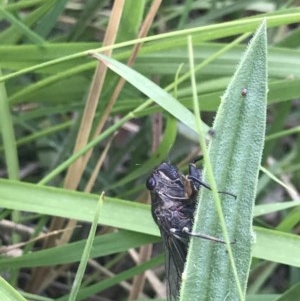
{"type": "Point", "coordinates": [175, 254]}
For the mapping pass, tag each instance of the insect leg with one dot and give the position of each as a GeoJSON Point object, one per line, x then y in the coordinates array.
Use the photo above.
{"type": "Point", "coordinates": [208, 187]}
{"type": "Point", "coordinates": [205, 236]}
{"type": "Point", "coordinates": [195, 175]}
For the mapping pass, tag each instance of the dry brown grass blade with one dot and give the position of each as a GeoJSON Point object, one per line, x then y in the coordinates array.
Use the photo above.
{"type": "Point", "coordinates": [8, 249]}
{"type": "Point", "coordinates": [98, 166]}
{"type": "Point", "coordinates": [143, 32]}
{"type": "Point", "coordinates": [157, 285]}
{"type": "Point", "coordinates": [75, 171]}
{"type": "Point", "coordinates": [139, 280]}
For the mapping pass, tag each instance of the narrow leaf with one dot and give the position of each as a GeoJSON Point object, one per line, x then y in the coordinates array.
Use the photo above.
{"type": "Point", "coordinates": [153, 91]}
{"type": "Point", "coordinates": [8, 293]}
{"type": "Point", "coordinates": [235, 154]}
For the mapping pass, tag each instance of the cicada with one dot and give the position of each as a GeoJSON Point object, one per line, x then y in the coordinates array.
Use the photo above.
{"type": "Point", "coordinates": [173, 203]}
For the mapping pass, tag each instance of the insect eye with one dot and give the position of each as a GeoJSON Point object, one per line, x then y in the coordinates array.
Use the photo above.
{"type": "Point", "coordinates": [150, 183]}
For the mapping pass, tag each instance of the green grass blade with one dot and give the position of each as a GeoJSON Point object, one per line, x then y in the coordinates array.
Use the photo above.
{"type": "Point", "coordinates": [21, 27]}
{"type": "Point", "coordinates": [153, 91]}
{"type": "Point", "coordinates": [292, 294]}
{"type": "Point", "coordinates": [8, 135]}
{"type": "Point", "coordinates": [103, 245]}
{"type": "Point", "coordinates": [54, 201]}
{"type": "Point", "coordinates": [8, 293]}
{"type": "Point", "coordinates": [86, 252]}
{"type": "Point", "coordinates": [277, 246]}
{"type": "Point", "coordinates": [235, 153]}
{"type": "Point", "coordinates": [274, 207]}
{"type": "Point", "coordinates": [109, 282]}
{"type": "Point", "coordinates": [271, 245]}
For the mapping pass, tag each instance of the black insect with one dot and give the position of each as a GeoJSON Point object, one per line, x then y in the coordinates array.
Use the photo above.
{"type": "Point", "coordinates": [173, 200]}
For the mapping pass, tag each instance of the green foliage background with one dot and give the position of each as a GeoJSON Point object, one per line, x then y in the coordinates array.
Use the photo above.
{"type": "Point", "coordinates": [46, 78]}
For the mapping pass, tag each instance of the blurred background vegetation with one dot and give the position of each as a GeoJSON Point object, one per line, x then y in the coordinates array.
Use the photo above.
{"type": "Point", "coordinates": [56, 100]}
